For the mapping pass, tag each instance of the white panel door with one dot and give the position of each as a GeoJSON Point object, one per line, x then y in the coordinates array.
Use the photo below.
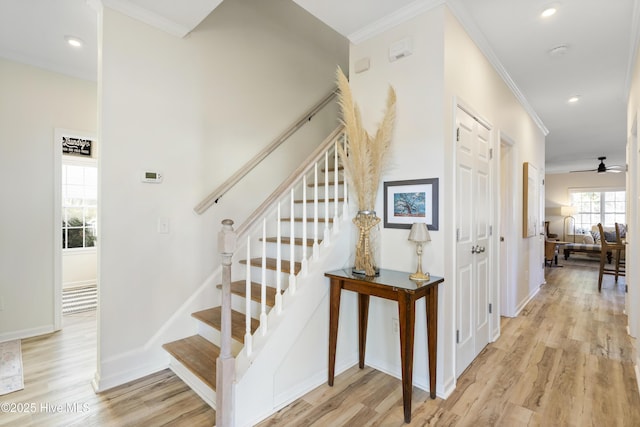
{"type": "Point", "coordinates": [473, 249]}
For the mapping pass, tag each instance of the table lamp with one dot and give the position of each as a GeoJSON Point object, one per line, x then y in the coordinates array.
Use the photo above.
{"type": "Point", "coordinates": [567, 212]}
{"type": "Point", "coordinates": [419, 234]}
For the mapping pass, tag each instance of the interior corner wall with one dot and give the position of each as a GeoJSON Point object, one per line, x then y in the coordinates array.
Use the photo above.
{"type": "Point", "coordinates": [195, 109]}
{"type": "Point", "coordinates": [557, 192]}
{"type": "Point", "coordinates": [417, 152]}
{"type": "Point", "coordinates": [633, 205]}
{"type": "Point", "coordinates": [33, 102]}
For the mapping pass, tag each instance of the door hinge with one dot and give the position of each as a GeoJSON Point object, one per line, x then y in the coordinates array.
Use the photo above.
{"type": "Point", "coordinates": [491, 230]}
{"type": "Point", "coordinates": [458, 336]}
{"type": "Point", "coordinates": [458, 135]}
{"type": "Point", "coordinates": [626, 289]}
{"type": "Point", "coordinates": [490, 153]}
{"type": "Point", "coordinates": [457, 234]}
{"type": "Point", "coordinates": [490, 308]}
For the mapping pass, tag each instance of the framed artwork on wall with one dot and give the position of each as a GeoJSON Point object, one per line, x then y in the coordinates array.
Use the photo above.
{"type": "Point", "coordinates": [406, 202]}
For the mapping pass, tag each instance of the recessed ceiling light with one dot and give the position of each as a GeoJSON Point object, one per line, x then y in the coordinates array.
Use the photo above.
{"type": "Point", "coordinates": [74, 41]}
{"type": "Point", "coordinates": [548, 12]}
{"type": "Point", "coordinates": [574, 99]}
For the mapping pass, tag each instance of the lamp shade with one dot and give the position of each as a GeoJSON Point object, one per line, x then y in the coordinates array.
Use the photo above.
{"type": "Point", "coordinates": [419, 233]}
{"type": "Point", "coordinates": [567, 210]}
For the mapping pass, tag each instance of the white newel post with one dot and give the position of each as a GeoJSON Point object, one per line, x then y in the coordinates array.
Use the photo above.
{"type": "Point", "coordinates": [225, 364]}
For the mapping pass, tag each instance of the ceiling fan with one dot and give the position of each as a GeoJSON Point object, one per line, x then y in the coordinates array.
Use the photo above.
{"type": "Point", "coordinates": [602, 168]}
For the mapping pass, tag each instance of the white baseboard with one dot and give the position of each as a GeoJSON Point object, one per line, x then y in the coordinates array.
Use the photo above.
{"type": "Point", "coordinates": [129, 366]}
{"type": "Point", "coordinates": [26, 333]}
{"type": "Point", "coordinates": [524, 302]}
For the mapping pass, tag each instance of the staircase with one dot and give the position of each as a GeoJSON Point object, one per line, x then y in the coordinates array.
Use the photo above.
{"type": "Point", "coordinates": [277, 283]}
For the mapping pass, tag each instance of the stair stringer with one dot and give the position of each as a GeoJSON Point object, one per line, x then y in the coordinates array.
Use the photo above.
{"type": "Point", "coordinates": [303, 313]}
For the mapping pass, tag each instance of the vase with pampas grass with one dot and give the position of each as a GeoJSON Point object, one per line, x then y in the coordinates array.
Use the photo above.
{"type": "Point", "coordinates": [363, 160]}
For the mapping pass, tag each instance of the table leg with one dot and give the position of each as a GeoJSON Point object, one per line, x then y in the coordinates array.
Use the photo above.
{"type": "Point", "coordinates": [334, 312]}
{"type": "Point", "coordinates": [431, 302]}
{"type": "Point", "coordinates": [406, 314]}
{"type": "Point", "coordinates": [363, 313]}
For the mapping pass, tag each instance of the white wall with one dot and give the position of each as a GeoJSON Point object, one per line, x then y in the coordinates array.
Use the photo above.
{"type": "Point", "coordinates": [557, 191]}
{"type": "Point", "coordinates": [633, 206]}
{"type": "Point", "coordinates": [445, 65]}
{"type": "Point", "coordinates": [195, 109]}
{"type": "Point", "coordinates": [33, 102]}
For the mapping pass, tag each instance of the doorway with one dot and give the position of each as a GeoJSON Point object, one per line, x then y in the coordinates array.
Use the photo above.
{"type": "Point", "coordinates": [507, 228]}
{"type": "Point", "coordinates": [75, 216]}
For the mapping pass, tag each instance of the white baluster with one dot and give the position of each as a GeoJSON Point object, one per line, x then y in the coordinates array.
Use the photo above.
{"type": "Point", "coordinates": [345, 189]}
{"type": "Point", "coordinates": [247, 334]}
{"type": "Point", "coordinates": [315, 212]}
{"type": "Point", "coordinates": [304, 224]}
{"type": "Point", "coordinates": [325, 238]}
{"type": "Point", "coordinates": [335, 188]}
{"type": "Point", "coordinates": [279, 264]}
{"type": "Point", "coordinates": [292, 250]}
{"type": "Point", "coordinates": [263, 283]}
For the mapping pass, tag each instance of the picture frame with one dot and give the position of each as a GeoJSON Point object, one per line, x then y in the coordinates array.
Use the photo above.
{"type": "Point", "coordinates": [409, 201]}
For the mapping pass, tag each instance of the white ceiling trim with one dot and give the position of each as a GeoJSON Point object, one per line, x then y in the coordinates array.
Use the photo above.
{"type": "Point", "coordinates": [633, 46]}
{"type": "Point", "coordinates": [148, 17]}
{"type": "Point", "coordinates": [478, 37]}
{"type": "Point", "coordinates": [398, 17]}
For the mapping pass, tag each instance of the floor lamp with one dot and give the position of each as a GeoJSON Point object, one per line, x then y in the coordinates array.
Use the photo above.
{"type": "Point", "coordinates": [567, 212]}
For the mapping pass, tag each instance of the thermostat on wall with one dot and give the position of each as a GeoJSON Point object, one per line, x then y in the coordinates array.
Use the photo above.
{"type": "Point", "coordinates": [152, 177]}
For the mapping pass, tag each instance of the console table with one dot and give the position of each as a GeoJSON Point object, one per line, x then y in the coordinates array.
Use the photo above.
{"type": "Point", "coordinates": [396, 286]}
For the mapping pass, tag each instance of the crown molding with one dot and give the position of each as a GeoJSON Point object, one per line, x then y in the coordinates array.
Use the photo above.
{"type": "Point", "coordinates": [467, 22]}
{"type": "Point", "coordinates": [633, 46]}
{"type": "Point", "coordinates": [148, 17]}
{"type": "Point", "coordinates": [398, 17]}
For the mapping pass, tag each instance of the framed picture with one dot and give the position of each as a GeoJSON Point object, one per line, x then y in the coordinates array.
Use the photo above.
{"type": "Point", "coordinates": [406, 202]}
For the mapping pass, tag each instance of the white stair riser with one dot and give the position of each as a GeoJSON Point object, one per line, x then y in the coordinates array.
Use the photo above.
{"type": "Point", "coordinates": [196, 384]}
{"type": "Point", "coordinates": [213, 335]}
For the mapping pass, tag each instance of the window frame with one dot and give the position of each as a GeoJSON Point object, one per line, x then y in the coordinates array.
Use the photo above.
{"type": "Point", "coordinates": [603, 200]}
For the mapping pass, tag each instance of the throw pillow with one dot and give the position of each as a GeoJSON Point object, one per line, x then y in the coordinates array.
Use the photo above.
{"type": "Point", "coordinates": [588, 239]}
{"type": "Point", "coordinates": [610, 236]}
{"type": "Point", "coordinates": [596, 237]}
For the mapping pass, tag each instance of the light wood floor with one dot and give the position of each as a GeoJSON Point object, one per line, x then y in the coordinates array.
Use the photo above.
{"type": "Point", "coordinates": [565, 361]}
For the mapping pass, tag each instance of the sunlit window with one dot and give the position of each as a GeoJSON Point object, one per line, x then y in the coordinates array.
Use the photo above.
{"type": "Point", "coordinates": [79, 206]}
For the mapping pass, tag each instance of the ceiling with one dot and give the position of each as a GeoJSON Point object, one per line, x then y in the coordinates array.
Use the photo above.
{"type": "Point", "coordinates": [599, 37]}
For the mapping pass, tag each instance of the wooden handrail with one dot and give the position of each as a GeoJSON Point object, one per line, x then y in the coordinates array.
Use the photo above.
{"type": "Point", "coordinates": [286, 185]}
{"type": "Point", "coordinates": [215, 195]}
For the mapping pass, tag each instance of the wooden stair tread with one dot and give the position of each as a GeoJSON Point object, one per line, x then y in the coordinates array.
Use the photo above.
{"type": "Point", "coordinates": [239, 288]}
{"type": "Point", "coordinates": [272, 264]}
{"type": "Point", "coordinates": [198, 355]}
{"type": "Point", "coordinates": [321, 184]}
{"type": "Point", "coordinates": [286, 240]}
{"type": "Point", "coordinates": [309, 221]}
{"type": "Point", "coordinates": [320, 200]}
{"type": "Point", "coordinates": [331, 169]}
{"type": "Point", "coordinates": [213, 318]}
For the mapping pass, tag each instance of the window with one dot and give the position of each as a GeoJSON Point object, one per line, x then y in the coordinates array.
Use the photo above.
{"type": "Point", "coordinates": [596, 206]}
{"type": "Point", "coordinates": [79, 205]}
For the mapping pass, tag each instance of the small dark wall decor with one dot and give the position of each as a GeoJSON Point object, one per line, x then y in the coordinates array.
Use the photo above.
{"type": "Point", "coordinates": [406, 202]}
{"type": "Point", "coordinates": [76, 146]}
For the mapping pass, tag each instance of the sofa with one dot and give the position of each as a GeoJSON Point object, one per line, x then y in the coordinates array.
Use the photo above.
{"type": "Point", "coordinates": [590, 242]}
